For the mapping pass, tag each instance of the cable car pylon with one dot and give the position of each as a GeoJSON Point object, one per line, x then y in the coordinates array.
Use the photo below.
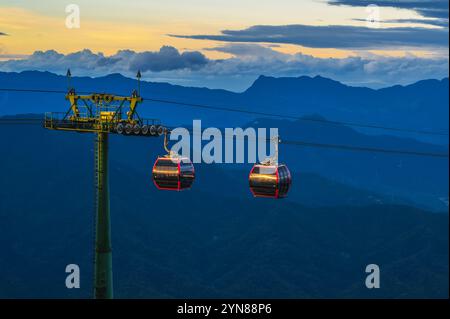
{"type": "Point", "coordinates": [103, 280]}
{"type": "Point", "coordinates": [102, 114]}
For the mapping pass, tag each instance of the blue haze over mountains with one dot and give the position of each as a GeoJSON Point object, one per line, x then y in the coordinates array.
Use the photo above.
{"type": "Point", "coordinates": [344, 211]}
{"type": "Point", "coordinates": [212, 241]}
{"type": "Point", "coordinates": [420, 106]}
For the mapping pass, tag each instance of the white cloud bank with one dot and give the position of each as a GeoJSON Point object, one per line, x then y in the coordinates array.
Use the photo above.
{"type": "Point", "coordinates": [248, 61]}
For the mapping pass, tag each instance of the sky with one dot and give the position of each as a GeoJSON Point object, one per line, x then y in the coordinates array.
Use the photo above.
{"type": "Point", "coordinates": [228, 44]}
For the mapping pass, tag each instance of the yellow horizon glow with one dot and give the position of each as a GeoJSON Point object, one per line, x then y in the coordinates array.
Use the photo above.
{"type": "Point", "coordinates": [29, 31]}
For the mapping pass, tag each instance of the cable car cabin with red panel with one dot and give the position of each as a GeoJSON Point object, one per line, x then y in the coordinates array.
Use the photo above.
{"type": "Point", "coordinates": [269, 179]}
{"type": "Point", "coordinates": [172, 171]}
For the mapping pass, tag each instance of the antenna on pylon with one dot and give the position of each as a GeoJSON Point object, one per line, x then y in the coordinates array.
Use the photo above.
{"type": "Point", "coordinates": [68, 75]}
{"type": "Point", "coordinates": [138, 76]}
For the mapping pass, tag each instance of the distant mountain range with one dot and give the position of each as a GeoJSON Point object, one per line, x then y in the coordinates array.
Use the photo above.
{"type": "Point", "coordinates": [345, 209]}
{"type": "Point", "coordinates": [420, 106]}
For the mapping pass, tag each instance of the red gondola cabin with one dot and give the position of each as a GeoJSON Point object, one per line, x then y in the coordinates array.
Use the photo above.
{"type": "Point", "coordinates": [173, 173]}
{"type": "Point", "coordinates": [269, 180]}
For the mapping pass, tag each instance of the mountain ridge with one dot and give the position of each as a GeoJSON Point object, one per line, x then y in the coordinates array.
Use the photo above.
{"type": "Point", "coordinates": [422, 106]}
{"type": "Point", "coordinates": [259, 78]}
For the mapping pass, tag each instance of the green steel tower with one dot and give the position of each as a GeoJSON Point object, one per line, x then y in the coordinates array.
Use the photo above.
{"type": "Point", "coordinates": [103, 280]}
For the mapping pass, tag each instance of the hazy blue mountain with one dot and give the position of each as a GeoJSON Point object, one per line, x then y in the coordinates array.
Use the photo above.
{"type": "Point", "coordinates": [212, 241]}
{"type": "Point", "coordinates": [421, 106]}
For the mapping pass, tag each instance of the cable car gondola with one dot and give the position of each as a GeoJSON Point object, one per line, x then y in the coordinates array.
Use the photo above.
{"type": "Point", "coordinates": [172, 171]}
{"type": "Point", "coordinates": [270, 179]}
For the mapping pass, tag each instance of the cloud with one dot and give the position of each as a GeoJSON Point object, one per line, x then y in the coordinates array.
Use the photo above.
{"type": "Point", "coordinates": [372, 70]}
{"type": "Point", "coordinates": [433, 22]}
{"type": "Point", "coordinates": [12, 56]}
{"type": "Point", "coordinates": [246, 50]}
{"type": "Point", "coordinates": [166, 59]}
{"type": "Point", "coordinates": [426, 8]}
{"type": "Point", "coordinates": [334, 36]}
{"type": "Point", "coordinates": [247, 62]}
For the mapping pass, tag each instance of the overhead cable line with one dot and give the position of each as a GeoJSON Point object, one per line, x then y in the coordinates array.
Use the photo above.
{"type": "Point", "coordinates": [35, 121]}
{"type": "Point", "coordinates": [343, 147]}
{"type": "Point", "coordinates": [243, 111]}
{"type": "Point", "coordinates": [364, 149]}
{"type": "Point", "coordinates": [227, 109]}
{"type": "Point", "coordinates": [31, 121]}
